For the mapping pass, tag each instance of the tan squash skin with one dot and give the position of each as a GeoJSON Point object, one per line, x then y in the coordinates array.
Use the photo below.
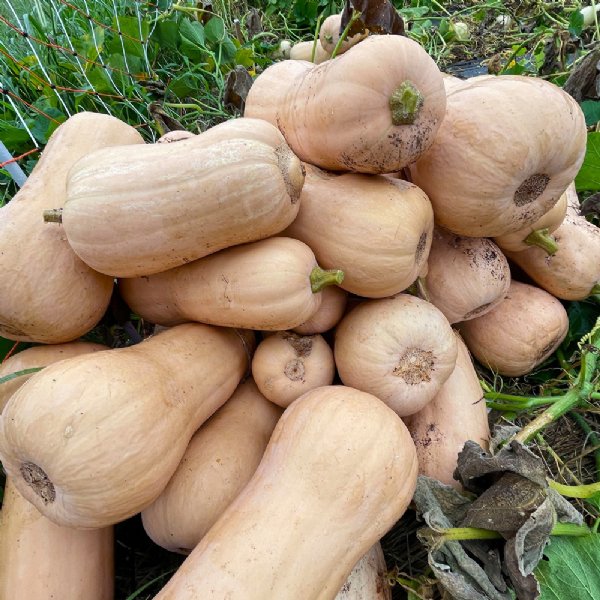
{"type": "Point", "coordinates": [38, 356]}
{"type": "Point", "coordinates": [400, 349]}
{"type": "Point", "coordinates": [108, 429]}
{"type": "Point", "coordinates": [48, 294]}
{"type": "Point", "coordinates": [377, 230]}
{"type": "Point", "coordinates": [515, 242]}
{"type": "Point", "coordinates": [457, 413]}
{"type": "Point", "coordinates": [328, 315]}
{"type": "Point", "coordinates": [520, 333]}
{"type": "Point", "coordinates": [491, 172]}
{"type": "Point", "coordinates": [263, 285]}
{"type": "Point", "coordinates": [303, 51]}
{"type": "Point", "coordinates": [287, 365]}
{"type": "Point", "coordinates": [574, 270]}
{"type": "Point", "coordinates": [466, 277]}
{"type": "Point", "coordinates": [329, 35]}
{"type": "Point", "coordinates": [337, 115]}
{"type": "Point", "coordinates": [573, 205]}
{"type": "Point", "coordinates": [219, 461]}
{"type": "Point", "coordinates": [339, 470]}
{"type": "Point", "coordinates": [41, 561]}
{"type": "Point", "coordinates": [127, 218]}
{"type": "Point", "coordinates": [367, 580]}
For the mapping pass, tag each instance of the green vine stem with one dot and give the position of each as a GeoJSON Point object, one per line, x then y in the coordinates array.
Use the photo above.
{"type": "Point", "coordinates": [313, 52]}
{"type": "Point", "coordinates": [355, 16]}
{"type": "Point", "coordinates": [580, 393]}
{"type": "Point", "coordinates": [440, 536]}
{"type": "Point", "coordinates": [542, 239]}
{"type": "Point", "coordinates": [575, 491]}
{"type": "Point", "coordinates": [321, 278]}
{"type": "Point", "coordinates": [53, 215]}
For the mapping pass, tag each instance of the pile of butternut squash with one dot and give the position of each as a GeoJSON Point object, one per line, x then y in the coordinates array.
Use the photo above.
{"type": "Point", "coordinates": [319, 271]}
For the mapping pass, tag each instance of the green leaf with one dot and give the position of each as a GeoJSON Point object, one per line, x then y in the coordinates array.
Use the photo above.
{"type": "Point", "coordinates": [42, 127]}
{"type": "Point", "coordinates": [166, 34]}
{"type": "Point", "coordinates": [245, 57]}
{"type": "Point", "coordinates": [228, 51]}
{"type": "Point", "coordinates": [132, 42]}
{"type": "Point", "coordinates": [588, 178]}
{"type": "Point", "coordinates": [182, 86]}
{"type": "Point", "coordinates": [572, 569]}
{"type": "Point", "coordinates": [13, 137]}
{"type": "Point", "coordinates": [582, 317]}
{"type": "Point", "coordinates": [576, 23]}
{"type": "Point", "coordinates": [191, 34]}
{"type": "Point", "coordinates": [214, 30]}
{"type": "Point", "coordinates": [591, 110]}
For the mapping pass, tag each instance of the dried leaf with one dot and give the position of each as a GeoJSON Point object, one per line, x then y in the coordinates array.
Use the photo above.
{"type": "Point", "coordinates": [253, 23]}
{"type": "Point", "coordinates": [526, 586]}
{"type": "Point", "coordinates": [478, 469]}
{"type": "Point", "coordinates": [237, 86]}
{"type": "Point", "coordinates": [582, 80]}
{"type": "Point", "coordinates": [376, 16]}
{"type": "Point", "coordinates": [591, 205]}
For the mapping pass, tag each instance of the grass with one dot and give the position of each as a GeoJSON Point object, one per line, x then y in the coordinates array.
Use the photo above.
{"type": "Point", "coordinates": [178, 57]}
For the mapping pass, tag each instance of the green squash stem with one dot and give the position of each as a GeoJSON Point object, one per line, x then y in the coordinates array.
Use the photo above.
{"type": "Point", "coordinates": [542, 239]}
{"type": "Point", "coordinates": [405, 103]}
{"type": "Point", "coordinates": [321, 278]}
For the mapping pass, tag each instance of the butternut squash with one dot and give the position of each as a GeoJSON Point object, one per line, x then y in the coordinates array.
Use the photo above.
{"type": "Point", "coordinates": [339, 470]}
{"type": "Point", "coordinates": [40, 560]}
{"type": "Point", "coordinates": [329, 313]}
{"type": "Point", "coordinates": [520, 333]}
{"type": "Point", "coordinates": [304, 51]}
{"type": "Point", "coordinates": [272, 284]}
{"type": "Point", "coordinates": [367, 580]}
{"type": "Point", "coordinates": [330, 32]}
{"type": "Point", "coordinates": [286, 365]}
{"type": "Point", "coordinates": [94, 439]}
{"type": "Point", "coordinates": [466, 277]}
{"type": "Point", "coordinates": [37, 357]}
{"type": "Point", "coordinates": [538, 233]}
{"type": "Point", "coordinates": [126, 217]}
{"type": "Point", "coordinates": [219, 461]}
{"type": "Point", "coordinates": [401, 349]}
{"type": "Point", "coordinates": [494, 171]}
{"type": "Point", "coordinates": [457, 413]}
{"type": "Point", "coordinates": [48, 294]}
{"type": "Point", "coordinates": [573, 272]}
{"type": "Point", "coordinates": [377, 230]}
{"type": "Point", "coordinates": [375, 109]}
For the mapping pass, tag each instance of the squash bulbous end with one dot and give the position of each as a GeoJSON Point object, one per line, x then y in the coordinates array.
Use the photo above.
{"type": "Point", "coordinates": [37, 479]}
{"type": "Point", "coordinates": [321, 278]}
{"type": "Point", "coordinates": [405, 103]}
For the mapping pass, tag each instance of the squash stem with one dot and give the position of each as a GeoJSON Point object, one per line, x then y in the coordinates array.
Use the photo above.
{"type": "Point", "coordinates": [405, 103]}
{"type": "Point", "coordinates": [321, 278]}
{"type": "Point", "coordinates": [542, 239]}
{"type": "Point", "coordinates": [53, 215]}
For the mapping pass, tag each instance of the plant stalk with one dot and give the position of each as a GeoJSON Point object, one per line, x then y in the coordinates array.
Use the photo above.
{"type": "Point", "coordinates": [542, 239]}
{"type": "Point", "coordinates": [53, 215]}
{"type": "Point", "coordinates": [575, 491]}
{"type": "Point", "coordinates": [355, 16]}
{"type": "Point", "coordinates": [321, 278]}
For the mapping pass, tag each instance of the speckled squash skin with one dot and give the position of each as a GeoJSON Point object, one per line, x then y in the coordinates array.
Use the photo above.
{"type": "Point", "coordinates": [233, 184]}
{"type": "Point", "coordinates": [94, 439]}
{"type": "Point", "coordinates": [457, 413]}
{"type": "Point", "coordinates": [518, 334]}
{"type": "Point", "coordinates": [38, 356]}
{"type": "Point", "coordinates": [466, 277]}
{"type": "Point", "coordinates": [49, 295]}
{"type": "Point", "coordinates": [40, 560]}
{"type": "Point", "coordinates": [328, 315]}
{"type": "Point", "coordinates": [339, 470]}
{"type": "Point", "coordinates": [344, 115]}
{"type": "Point", "coordinates": [492, 172]}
